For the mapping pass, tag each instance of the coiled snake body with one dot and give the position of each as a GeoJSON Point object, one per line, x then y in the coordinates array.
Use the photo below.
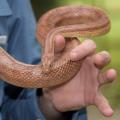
{"type": "Point", "coordinates": [69, 21]}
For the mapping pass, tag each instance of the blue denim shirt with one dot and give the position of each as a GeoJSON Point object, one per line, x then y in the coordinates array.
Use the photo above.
{"type": "Point", "coordinates": [17, 37]}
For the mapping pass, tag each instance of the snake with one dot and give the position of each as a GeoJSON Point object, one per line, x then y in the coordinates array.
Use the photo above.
{"type": "Point", "coordinates": [68, 21]}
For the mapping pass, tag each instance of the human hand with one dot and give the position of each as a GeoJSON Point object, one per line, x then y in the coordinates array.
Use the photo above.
{"type": "Point", "coordinates": [84, 89]}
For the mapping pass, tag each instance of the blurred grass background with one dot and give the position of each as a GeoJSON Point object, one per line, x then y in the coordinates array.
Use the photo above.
{"type": "Point", "coordinates": [110, 42]}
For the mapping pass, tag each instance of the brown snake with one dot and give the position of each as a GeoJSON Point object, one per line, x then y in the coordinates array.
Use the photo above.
{"type": "Point", "coordinates": [69, 21]}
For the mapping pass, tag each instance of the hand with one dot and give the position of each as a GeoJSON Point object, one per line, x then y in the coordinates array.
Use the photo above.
{"type": "Point", "coordinates": [83, 89]}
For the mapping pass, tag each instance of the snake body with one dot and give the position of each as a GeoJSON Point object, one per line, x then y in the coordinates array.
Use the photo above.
{"type": "Point", "coordinates": [69, 21]}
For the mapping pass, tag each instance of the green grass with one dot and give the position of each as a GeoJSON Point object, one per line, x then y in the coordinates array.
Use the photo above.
{"type": "Point", "coordinates": [113, 91]}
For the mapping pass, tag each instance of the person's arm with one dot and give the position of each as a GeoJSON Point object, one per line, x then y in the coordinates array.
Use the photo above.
{"type": "Point", "coordinates": [83, 89]}
{"type": "Point", "coordinates": [50, 112]}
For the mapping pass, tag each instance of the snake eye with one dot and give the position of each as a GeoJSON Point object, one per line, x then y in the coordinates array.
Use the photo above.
{"type": "Point", "coordinates": [47, 63]}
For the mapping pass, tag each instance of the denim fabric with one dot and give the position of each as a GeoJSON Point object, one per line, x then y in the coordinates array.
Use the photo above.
{"type": "Point", "coordinates": [22, 108]}
{"type": "Point", "coordinates": [80, 115]}
{"type": "Point", "coordinates": [17, 36]}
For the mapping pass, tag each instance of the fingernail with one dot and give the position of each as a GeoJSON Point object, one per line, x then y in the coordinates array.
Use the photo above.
{"type": "Point", "coordinates": [106, 56]}
{"type": "Point", "coordinates": [90, 44]}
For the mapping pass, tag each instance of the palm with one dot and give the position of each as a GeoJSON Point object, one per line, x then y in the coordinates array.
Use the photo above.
{"type": "Point", "coordinates": [82, 90]}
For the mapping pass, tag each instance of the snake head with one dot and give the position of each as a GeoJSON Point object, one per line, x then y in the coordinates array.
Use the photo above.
{"type": "Point", "coordinates": [47, 63]}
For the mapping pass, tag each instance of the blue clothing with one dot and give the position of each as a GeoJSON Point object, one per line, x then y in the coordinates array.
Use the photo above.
{"type": "Point", "coordinates": [17, 36]}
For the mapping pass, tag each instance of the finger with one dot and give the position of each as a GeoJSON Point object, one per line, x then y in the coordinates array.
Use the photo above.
{"type": "Point", "coordinates": [84, 49]}
{"type": "Point", "coordinates": [103, 105]}
{"type": "Point", "coordinates": [59, 43]}
{"type": "Point", "coordinates": [102, 59]}
{"type": "Point", "coordinates": [107, 77]}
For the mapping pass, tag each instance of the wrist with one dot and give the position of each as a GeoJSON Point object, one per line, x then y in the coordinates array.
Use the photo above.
{"type": "Point", "coordinates": [49, 111]}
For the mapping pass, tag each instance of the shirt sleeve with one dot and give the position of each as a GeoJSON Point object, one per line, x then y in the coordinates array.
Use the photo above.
{"type": "Point", "coordinates": [22, 44]}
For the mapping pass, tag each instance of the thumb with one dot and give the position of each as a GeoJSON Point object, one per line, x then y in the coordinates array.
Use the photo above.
{"type": "Point", "coordinates": [103, 105]}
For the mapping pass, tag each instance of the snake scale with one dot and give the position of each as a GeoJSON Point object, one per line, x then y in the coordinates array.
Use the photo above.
{"type": "Point", "coordinates": [69, 21]}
